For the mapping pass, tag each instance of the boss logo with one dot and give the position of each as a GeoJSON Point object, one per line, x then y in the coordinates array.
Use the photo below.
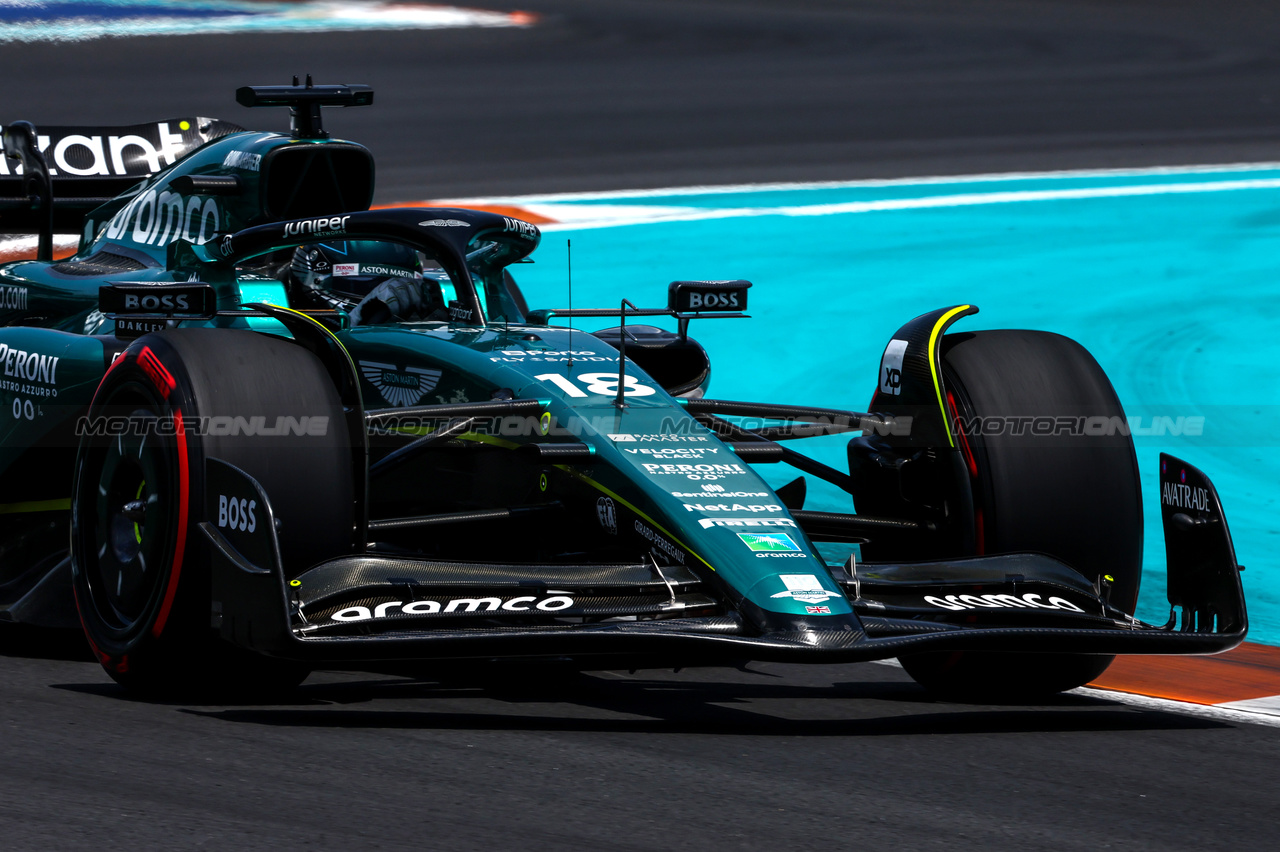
{"type": "Point", "coordinates": [237, 513]}
{"type": "Point", "coordinates": [191, 298]}
{"type": "Point", "coordinates": [701, 301]}
{"type": "Point", "coordinates": [162, 302]}
{"type": "Point", "coordinates": [708, 295]}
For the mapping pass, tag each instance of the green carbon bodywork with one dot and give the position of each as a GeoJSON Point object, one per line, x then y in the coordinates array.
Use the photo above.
{"type": "Point", "coordinates": [671, 482]}
{"type": "Point", "coordinates": [654, 484]}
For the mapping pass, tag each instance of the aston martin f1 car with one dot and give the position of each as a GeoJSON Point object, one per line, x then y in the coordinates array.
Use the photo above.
{"type": "Point", "coordinates": [225, 488]}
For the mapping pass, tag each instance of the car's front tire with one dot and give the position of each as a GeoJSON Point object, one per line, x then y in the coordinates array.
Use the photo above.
{"type": "Point", "coordinates": [140, 566]}
{"type": "Point", "coordinates": [1073, 496]}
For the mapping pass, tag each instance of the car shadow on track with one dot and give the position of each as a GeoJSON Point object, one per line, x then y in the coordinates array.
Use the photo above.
{"type": "Point", "coordinates": [44, 643]}
{"type": "Point", "coordinates": [695, 705]}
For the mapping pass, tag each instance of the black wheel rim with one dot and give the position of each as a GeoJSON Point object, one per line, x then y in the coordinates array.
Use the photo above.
{"type": "Point", "coordinates": [126, 503]}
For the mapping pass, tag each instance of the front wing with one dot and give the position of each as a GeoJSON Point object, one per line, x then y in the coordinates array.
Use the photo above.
{"type": "Point", "coordinates": [374, 608]}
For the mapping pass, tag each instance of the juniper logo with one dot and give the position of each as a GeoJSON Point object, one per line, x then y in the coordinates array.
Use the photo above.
{"type": "Point", "coordinates": [400, 387]}
{"type": "Point", "coordinates": [327, 225]}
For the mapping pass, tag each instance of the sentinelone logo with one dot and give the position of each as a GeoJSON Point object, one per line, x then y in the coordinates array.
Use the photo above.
{"type": "Point", "coordinates": [81, 20]}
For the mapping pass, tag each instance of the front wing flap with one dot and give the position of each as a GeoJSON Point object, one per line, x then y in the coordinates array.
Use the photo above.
{"type": "Point", "coordinates": [370, 607]}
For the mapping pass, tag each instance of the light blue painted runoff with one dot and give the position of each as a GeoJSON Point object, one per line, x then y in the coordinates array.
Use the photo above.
{"type": "Point", "coordinates": [1176, 295]}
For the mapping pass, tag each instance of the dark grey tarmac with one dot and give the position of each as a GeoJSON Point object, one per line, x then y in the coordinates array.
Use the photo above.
{"type": "Point", "coordinates": [776, 757]}
{"type": "Point", "coordinates": [646, 93]}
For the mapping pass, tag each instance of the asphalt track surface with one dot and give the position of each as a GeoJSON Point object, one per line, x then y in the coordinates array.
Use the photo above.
{"type": "Point", "coordinates": [642, 94]}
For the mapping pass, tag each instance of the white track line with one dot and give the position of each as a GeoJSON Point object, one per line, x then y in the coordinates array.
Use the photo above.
{"type": "Point", "coordinates": [1221, 712]}
{"type": "Point", "coordinates": [725, 189]}
{"type": "Point", "coordinates": [620, 216]}
{"type": "Point", "coordinates": [1269, 706]}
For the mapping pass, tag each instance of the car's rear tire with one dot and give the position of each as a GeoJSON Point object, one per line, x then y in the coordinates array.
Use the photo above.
{"type": "Point", "coordinates": [1073, 496]}
{"type": "Point", "coordinates": [141, 567]}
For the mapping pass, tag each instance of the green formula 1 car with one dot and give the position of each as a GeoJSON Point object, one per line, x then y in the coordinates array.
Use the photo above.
{"type": "Point", "coordinates": [226, 485]}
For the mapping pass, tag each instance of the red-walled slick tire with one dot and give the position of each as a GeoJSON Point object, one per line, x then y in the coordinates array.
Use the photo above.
{"type": "Point", "coordinates": [140, 566]}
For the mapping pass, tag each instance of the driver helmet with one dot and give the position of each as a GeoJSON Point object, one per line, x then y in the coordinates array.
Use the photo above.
{"type": "Point", "coordinates": [342, 272]}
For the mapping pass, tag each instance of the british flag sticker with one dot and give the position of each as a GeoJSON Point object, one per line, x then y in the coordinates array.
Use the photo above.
{"type": "Point", "coordinates": [818, 610]}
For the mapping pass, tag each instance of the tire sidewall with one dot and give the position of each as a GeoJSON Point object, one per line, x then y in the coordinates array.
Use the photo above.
{"type": "Point", "coordinates": [195, 376]}
{"type": "Point", "coordinates": [1074, 497]}
{"type": "Point", "coordinates": [168, 620]}
{"type": "Point", "coordinates": [1077, 499]}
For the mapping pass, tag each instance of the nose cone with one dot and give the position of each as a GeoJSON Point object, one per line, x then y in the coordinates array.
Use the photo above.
{"type": "Point", "coordinates": [803, 607]}
{"type": "Point", "coordinates": [796, 591]}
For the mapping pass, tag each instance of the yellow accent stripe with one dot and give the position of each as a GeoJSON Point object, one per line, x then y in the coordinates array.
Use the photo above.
{"type": "Point", "coordinates": [630, 506]}
{"type": "Point", "coordinates": [36, 506]}
{"type": "Point", "coordinates": [492, 440]}
{"type": "Point", "coordinates": [502, 442]}
{"type": "Point", "coordinates": [933, 364]}
{"type": "Point", "coordinates": [324, 328]}
{"type": "Point", "coordinates": [479, 438]}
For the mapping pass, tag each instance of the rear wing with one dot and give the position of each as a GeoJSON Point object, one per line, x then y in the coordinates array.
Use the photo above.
{"type": "Point", "coordinates": [51, 177]}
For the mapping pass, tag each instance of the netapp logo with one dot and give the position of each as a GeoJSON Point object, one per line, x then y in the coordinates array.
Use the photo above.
{"type": "Point", "coordinates": [525, 603]}
{"type": "Point", "coordinates": [734, 507]}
